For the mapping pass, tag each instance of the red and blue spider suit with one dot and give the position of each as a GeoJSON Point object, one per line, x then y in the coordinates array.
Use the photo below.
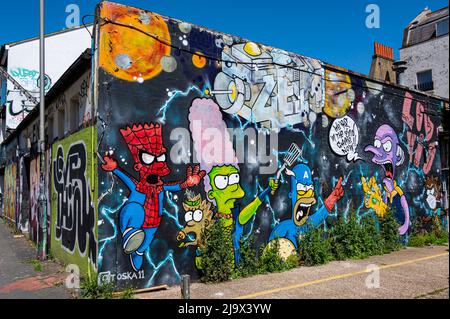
{"type": "Point", "coordinates": [141, 215]}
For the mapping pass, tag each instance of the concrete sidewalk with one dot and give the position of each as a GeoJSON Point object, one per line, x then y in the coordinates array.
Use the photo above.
{"type": "Point", "coordinates": [409, 273]}
{"type": "Point", "coordinates": [18, 277]}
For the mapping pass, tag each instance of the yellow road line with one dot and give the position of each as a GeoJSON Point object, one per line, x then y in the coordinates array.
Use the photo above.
{"type": "Point", "coordinates": [352, 274]}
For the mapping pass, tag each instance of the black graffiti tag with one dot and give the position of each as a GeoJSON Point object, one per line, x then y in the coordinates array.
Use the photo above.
{"type": "Point", "coordinates": [75, 213]}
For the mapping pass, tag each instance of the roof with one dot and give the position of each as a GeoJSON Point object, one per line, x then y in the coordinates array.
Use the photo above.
{"type": "Point", "coordinates": [73, 73]}
{"type": "Point", "coordinates": [422, 28]}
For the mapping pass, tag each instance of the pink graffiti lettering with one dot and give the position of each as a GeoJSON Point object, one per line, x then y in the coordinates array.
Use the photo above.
{"type": "Point", "coordinates": [420, 135]}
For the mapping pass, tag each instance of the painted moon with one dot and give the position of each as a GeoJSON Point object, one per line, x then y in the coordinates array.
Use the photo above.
{"type": "Point", "coordinates": [128, 53]}
{"type": "Point", "coordinates": [285, 247]}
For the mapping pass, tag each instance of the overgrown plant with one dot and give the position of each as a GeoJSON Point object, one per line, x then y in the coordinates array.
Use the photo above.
{"type": "Point", "coordinates": [437, 235]}
{"type": "Point", "coordinates": [315, 247]}
{"type": "Point", "coordinates": [91, 289]}
{"type": "Point", "coordinates": [371, 236]}
{"type": "Point", "coordinates": [389, 232]}
{"type": "Point", "coordinates": [37, 264]}
{"type": "Point", "coordinates": [270, 259]}
{"type": "Point", "coordinates": [348, 240]}
{"type": "Point", "coordinates": [358, 239]}
{"type": "Point", "coordinates": [127, 293]}
{"type": "Point", "coordinates": [249, 262]}
{"type": "Point", "coordinates": [217, 254]}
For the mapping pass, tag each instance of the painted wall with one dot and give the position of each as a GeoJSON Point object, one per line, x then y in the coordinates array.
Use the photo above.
{"type": "Point", "coordinates": [35, 228]}
{"type": "Point", "coordinates": [23, 64]}
{"type": "Point", "coordinates": [23, 195]}
{"type": "Point", "coordinates": [10, 191]}
{"type": "Point", "coordinates": [34, 196]}
{"type": "Point", "coordinates": [74, 208]}
{"type": "Point", "coordinates": [347, 144]}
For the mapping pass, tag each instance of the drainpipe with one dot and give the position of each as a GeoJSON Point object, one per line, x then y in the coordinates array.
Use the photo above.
{"type": "Point", "coordinates": [42, 200]}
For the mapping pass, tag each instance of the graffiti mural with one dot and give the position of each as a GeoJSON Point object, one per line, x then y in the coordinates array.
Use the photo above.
{"type": "Point", "coordinates": [303, 199]}
{"type": "Point", "coordinates": [34, 196]}
{"type": "Point", "coordinates": [10, 192]}
{"type": "Point", "coordinates": [264, 142]}
{"type": "Point", "coordinates": [74, 220]}
{"type": "Point", "coordinates": [272, 87]}
{"type": "Point", "coordinates": [421, 134]}
{"type": "Point", "coordinates": [17, 105]}
{"type": "Point", "coordinates": [198, 216]}
{"type": "Point", "coordinates": [388, 154]}
{"type": "Point", "coordinates": [141, 214]}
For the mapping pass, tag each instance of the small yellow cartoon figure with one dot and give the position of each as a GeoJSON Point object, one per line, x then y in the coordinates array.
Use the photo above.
{"type": "Point", "coordinates": [373, 198]}
{"type": "Point", "coordinates": [198, 215]}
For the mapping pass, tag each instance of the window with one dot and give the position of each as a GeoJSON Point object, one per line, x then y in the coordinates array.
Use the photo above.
{"type": "Point", "coordinates": [442, 27]}
{"type": "Point", "coordinates": [74, 114]}
{"type": "Point", "coordinates": [387, 78]}
{"type": "Point", "coordinates": [425, 81]}
{"type": "Point", "coordinates": [61, 116]}
{"type": "Point", "coordinates": [50, 129]}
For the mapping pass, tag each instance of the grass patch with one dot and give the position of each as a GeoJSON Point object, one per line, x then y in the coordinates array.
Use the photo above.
{"type": "Point", "coordinates": [434, 235]}
{"type": "Point", "coordinates": [91, 289]}
{"type": "Point", "coordinates": [36, 263]}
{"type": "Point", "coordinates": [127, 293]}
{"type": "Point", "coordinates": [428, 239]}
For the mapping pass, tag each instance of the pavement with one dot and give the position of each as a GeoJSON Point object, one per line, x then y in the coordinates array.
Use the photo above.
{"type": "Point", "coordinates": [22, 276]}
{"type": "Point", "coordinates": [411, 273]}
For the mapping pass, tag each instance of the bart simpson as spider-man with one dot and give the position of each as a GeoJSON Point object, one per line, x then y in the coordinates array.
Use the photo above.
{"type": "Point", "coordinates": [141, 215]}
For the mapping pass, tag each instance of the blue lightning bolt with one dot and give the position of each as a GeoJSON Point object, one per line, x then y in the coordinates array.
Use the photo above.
{"type": "Point", "coordinates": [156, 268]}
{"type": "Point", "coordinates": [106, 212]}
{"type": "Point", "coordinates": [172, 96]}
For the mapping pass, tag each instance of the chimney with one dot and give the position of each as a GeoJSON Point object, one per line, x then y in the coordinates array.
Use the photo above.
{"type": "Point", "coordinates": [382, 63]}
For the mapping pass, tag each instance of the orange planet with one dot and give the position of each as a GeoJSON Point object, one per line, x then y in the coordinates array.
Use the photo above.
{"type": "Point", "coordinates": [199, 60]}
{"type": "Point", "coordinates": [129, 54]}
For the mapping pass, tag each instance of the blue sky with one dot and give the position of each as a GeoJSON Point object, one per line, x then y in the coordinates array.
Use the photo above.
{"type": "Point", "coordinates": [333, 31]}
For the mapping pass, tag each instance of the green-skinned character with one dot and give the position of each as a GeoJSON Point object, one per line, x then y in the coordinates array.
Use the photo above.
{"type": "Point", "coordinates": [225, 190]}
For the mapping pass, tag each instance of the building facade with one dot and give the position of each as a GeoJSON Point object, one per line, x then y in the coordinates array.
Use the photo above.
{"type": "Point", "coordinates": [425, 50]}
{"type": "Point", "coordinates": [21, 61]}
{"type": "Point", "coordinates": [180, 127]}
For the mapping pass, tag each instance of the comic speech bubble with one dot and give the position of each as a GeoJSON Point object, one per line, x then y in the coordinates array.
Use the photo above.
{"type": "Point", "coordinates": [344, 137]}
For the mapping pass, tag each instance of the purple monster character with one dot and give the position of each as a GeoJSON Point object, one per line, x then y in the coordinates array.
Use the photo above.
{"type": "Point", "coordinates": [388, 154]}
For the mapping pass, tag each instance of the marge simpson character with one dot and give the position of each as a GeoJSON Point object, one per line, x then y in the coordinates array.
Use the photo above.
{"type": "Point", "coordinates": [303, 199]}
{"type": "Point", "coordinates": [141, 215]}
{"type": "Point", "coordinates": [226, 190]}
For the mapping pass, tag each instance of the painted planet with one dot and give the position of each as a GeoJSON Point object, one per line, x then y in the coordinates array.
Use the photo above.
{"type": "Point", "coordinates": [169, 63]}
{"type": "Point", "coordinates": [285, 247]}
{"type": "Point", "coordinates": [126, 52]}
{"type": "Point", "coordinates": [199, 60]}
